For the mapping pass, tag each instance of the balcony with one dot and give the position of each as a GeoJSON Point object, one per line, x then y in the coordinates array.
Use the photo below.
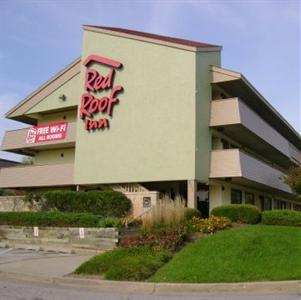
{"type": "Point", "coordinates": [37, 176]}
{"type": "Point", "coordinates": [15, 141]}
{"type": "Point", "coordinates": [236, 120]}
{"type": "Point", "coordinates": [235, 84]}
{"type": "Point", "coordinates": [238, 167]}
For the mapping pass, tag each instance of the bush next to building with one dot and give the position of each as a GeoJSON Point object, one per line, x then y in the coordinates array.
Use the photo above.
{"type": "Point", "coordinates": [7, 192]}
{"type": "Point", "coordinates": [247, 214]}
{"type": "Point", "coordinates": [103, 203]}
{"type": "Point", "coordinates": [191, 212]}
{"type": "Point", "coordinates": [46, 219]}
{"type": "Point", "coordinates": [282, 217]}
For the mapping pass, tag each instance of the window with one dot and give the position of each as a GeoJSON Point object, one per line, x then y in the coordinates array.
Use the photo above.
{"type": "Point", "coordinates": [236, 196]}
{"type": "Point", "coordinates": [283, 205]}
{"type": "Point", "coordinates": [227, 145]}
{"type": "Point", "coordinates": [265, 203]}
{"type": "Point", "coordinates": [279, 204]}
{"type": "Point", "coordinates": [261, 198]}
{"type": "Point", "coordinates": [297, 207]}
{"type": "Point", "coordinates": [249, 198]}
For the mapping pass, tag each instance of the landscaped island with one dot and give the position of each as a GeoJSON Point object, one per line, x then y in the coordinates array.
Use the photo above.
{"type": "Point", "coordinates": [249, 251]}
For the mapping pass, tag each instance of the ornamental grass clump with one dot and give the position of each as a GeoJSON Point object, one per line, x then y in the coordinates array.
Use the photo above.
{"type": "Point", "coordinates": [167, 213]}
{"type": "Point", "coordinates": [163, 227]}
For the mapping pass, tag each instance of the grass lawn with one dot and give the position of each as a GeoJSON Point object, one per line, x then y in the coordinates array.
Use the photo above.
{"type": "Point", "coordinates": [253, 253]}
{"type": "Point", "coordinates": [136, 263]}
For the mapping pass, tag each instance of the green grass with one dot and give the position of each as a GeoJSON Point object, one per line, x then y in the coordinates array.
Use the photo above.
{"type": "Point", "coordinates": [136, 263]}
{"type": "Point", "coordinates": [253, 253]}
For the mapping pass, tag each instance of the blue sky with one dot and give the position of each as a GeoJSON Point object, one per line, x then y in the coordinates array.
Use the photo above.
{"type": "Point", "coordinates": [261, 39]}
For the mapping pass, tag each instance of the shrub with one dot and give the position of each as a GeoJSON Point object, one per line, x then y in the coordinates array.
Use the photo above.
{"type": "Point", "coordinates": [110, 222]}
{"type": "Point", "coordinates": [162, 238]}
{"type": "Point", "coordinates": [167, 213]}
{"type": "Point", "coordinates": [248, 214]}
{"type": "Point", "coordinates": [191, 212]}
{"type": "Point", "coordinates": [56, 219]}
{"type": "Point", "coordinates": [7, 192]}
{"type": "Point", "coordinates": [34, 200]}
{"type": "Point", "coordinates": [103, 203]}
{"type": "Point", "coordinates": [282, 217]}
{"type": "Point", "coordinates": [208, 225]}
{"type": "Point", "coordinates": [137, 263]}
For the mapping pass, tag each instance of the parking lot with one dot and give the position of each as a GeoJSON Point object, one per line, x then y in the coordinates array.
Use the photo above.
{"type": "Point", "coordinates": [39, 263]}
{"type": "Point", "coordinates": [8, 255]}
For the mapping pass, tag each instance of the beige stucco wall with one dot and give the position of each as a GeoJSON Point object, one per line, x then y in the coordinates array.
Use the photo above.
{"type": "Point", "coordinates": [71, 89]}
{"type": "Point", "coordinates": [62, 116]}
{"type": "Point", "coordinates": [137, 202]}
{"type": "Point", "coordinates": [220, 194]}
{"type": "Point", "coordinates": [37, 176]}
{"type": "Point", "coordinates": [53, 156]}
{"type": "Point", "coordinates": [204, 60]}
{"type": "Point", "coordinates": [151, 135]}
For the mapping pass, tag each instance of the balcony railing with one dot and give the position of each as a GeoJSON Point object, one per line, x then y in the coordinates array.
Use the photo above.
{"type": "Point", "coordinates": [239, 166]}
{"type": "Point", "coordinates": [15, 140]}
{"type": "Point", "coordinates": [242, 124]}
{"type": "Point", "coordinates": [37, 176]}
{"type": "Point", "coordinates": [233, 111]}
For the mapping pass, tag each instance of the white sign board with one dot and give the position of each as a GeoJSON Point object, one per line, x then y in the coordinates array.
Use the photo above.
{"type": "Point", "coordinates": [81, 233]}
{"type": "Point", "coordinates": [36, 231]}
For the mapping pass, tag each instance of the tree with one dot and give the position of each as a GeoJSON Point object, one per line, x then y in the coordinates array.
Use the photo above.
{"type": "Point", "coordinates": [294, 179]}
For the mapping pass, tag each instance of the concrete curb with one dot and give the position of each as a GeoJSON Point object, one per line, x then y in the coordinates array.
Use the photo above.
{"type": "Point", "coordinates": [148, 288]}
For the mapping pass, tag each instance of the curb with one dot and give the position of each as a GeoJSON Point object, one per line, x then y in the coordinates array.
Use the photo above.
{"type": "Point", "coordinates": [149, 288]}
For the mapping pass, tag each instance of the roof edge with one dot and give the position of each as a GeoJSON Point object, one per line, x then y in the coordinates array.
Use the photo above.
{"type": "Point", "coordinates": [43, 86]}
{"type": "Point", "coordinates": [227, 72]}
{"type": "Point", "coordinates": [154, 39]}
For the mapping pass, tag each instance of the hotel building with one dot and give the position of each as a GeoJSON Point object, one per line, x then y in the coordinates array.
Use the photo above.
{"type": "Point", "coordinates": [146, 115]}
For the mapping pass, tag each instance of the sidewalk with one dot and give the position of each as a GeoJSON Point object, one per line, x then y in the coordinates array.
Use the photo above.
{"type": "Point", "coordinates": [54, 269]}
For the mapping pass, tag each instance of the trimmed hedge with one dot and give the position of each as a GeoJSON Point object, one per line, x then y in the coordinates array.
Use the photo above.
{"type": "Point", "coordinates": [247, 214]}
{"type": "Point", "coordinates": [103, 203]}
{"type": "Point", "coordinates": [282, 217]}
{"type": "Point", "coordinates": [44, 219]}
{"type": "Point", "coordinates": [192, 212]}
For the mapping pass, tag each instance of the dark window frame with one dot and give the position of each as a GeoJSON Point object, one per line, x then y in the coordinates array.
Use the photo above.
{"type": "Point", "coordinates": [253, 198]}
{"type": "Point", "coordinates": [237, 192]}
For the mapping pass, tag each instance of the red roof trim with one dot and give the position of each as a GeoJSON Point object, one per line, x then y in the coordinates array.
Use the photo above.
{"type": "Point", "coordinates": [157, 37]}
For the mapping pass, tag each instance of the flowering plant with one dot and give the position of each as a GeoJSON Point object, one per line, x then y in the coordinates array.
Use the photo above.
{"type": "Point", "coordinates": [208, 225]}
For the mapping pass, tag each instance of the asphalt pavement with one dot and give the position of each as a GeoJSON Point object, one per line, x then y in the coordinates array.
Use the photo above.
{"type": "Point", "coordinates": [10, 290]}
{"type": "Point", "coordinates": [39, 263]}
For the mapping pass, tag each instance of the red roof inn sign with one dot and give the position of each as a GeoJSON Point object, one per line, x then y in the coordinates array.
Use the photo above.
{"type": "Point", "coordinates": [94, 82]}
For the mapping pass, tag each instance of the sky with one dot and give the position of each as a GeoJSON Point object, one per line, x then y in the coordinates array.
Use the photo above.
{"type": "Point", "coordinates": [260, 38]}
